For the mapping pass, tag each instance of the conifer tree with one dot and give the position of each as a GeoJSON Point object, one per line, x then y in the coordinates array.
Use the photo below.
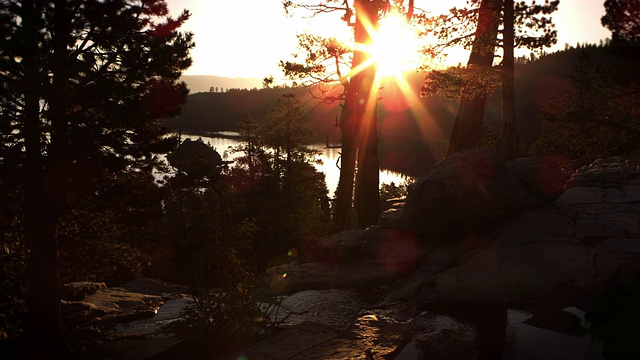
{"type": "Point", "coordinates": [622, 18]}
{"type": "Point", "coordinates": [476, 27]}
{"type": "Point", "coordinates": [595, 119]}
{"type": "Point", "coordinates": [84, 84]}
{"type": "Point", "coordinates": [358, 121]}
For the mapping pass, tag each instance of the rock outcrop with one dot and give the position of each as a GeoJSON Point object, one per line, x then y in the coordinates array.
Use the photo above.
{"type": "Point", "coordinates": [349, 259]}
{"type": "Point", "coordinates": [570, 249]}
{"type": "Point", "coordinates": [474, 189]}
{"type": "Point", "coordinates": [477, 233]}
{"type": "Point", "coordinates": [128, 322]}
{"type": "Point", "coordinates": [78, 290]}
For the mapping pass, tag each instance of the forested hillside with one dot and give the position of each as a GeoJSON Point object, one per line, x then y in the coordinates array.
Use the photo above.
{"type": "Point", "coordinates": [200, 83]}
{"type": "Point", "coordinates": [410, 138]}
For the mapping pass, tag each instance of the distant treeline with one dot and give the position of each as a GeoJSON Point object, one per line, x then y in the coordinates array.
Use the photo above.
{"type": "Point", "coordinates": [411, 139]}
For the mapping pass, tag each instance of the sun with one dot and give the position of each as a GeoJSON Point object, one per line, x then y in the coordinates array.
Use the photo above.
{"type": "Point", "coordinates": [395, 46]}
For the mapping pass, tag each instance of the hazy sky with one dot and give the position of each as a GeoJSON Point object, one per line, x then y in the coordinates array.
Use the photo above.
{"type": "Point", "coordinates": [247, 38]}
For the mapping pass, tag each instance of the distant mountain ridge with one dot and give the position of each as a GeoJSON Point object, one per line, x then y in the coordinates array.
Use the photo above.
{"type": "Point", "coordinates": [204, 83]}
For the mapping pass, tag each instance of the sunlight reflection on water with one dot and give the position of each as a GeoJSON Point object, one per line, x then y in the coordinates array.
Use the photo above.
{"type": "Point", "coordinates": [328, 156]}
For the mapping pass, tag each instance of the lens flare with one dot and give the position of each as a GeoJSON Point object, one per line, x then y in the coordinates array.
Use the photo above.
{"type": "Point", "coordinates": [395, 46]}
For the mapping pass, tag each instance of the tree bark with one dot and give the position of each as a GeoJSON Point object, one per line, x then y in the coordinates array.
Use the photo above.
{"type": "Point", "coordinates": [344, 191]}
{"type": "Point", "coordinates": [59, 94]}
{"type": "Point", "coordinates": [509, 141]}
{"type": "Point", "coordinates": [467, 127]}
{"type": "Point", "coordinates": [368, 182]}
{"type": "Point", "coordinates": [43, 325]}
{"type": "Point", "coordinates": [357, 118]}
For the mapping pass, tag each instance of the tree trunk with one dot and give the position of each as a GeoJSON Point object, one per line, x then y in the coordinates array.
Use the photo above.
{"type": "Point", "coordinates": [344, 192]}
{"type": "Point", "coordinates": [44, 325]}
{"type": "Point", "coordinates": [58, 104]}
{"type": "Point", "coordinates": [467, 127]}
{"type": "Point", "coordinates": [351, 124]}
{"type": "Point", "coordinates": [367, 183]}
{"type": "Point", "coordinates": [509, 142]}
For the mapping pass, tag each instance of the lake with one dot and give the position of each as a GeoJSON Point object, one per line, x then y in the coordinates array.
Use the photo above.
{"type": "Point", "coordinates": [223, 141]}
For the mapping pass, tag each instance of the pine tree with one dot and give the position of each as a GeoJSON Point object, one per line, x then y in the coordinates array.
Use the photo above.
{"type": "Point", "coordinates": [622, 18]}
{"type": "Point", "coordinates": [84, 83]}
{"type": "Point", "coordinates": [358, 121]}
{"type": "Point", "coordinates": [477, 27]}
{"type": "Point", "coordinates": [592, 120]}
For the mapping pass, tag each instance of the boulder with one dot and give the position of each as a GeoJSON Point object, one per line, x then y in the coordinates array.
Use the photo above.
{"type": "Point", "coordinates": [118, 299]}
{"type": "Point", "coordinates": [289, 343]}
{"type": "Point", "coordinates": [370, 336]}
{"type": "Point", "coordinates": [154, 287]}
{"type": "Point", "coordinates": [75, 313]}
{"type": "Point", "coordinates": [609, 172]}
{"type": "Point", "coordinates": [109, 306]}
{"type": "Point", "coordinates": [390, 218]}
{"type": "Point", "coordinates": [523, 235]}
{"type": "Point", "coordinates": [152, 337]}
{"type": "Point", "coordinates": [78, 290]}
{"type": "Point", "coordinates": [334, 308]}
{"type": "Point", "coordinates": [572, 248]}
{"type": "Point", "coordinates": [352, 259]}
{"type": "Point", "coordinates": [473, 189]}
{"type": "Point", "coordinates": [532, 272]}
{"type": "Point", "coordinates": [345, 246]}
{"type": "Point", "coordinates": [436, 260]}
{"type": "Point", "coordinates": [552, 317]}
{"type": "Point", "coordinates": [442, 337]}
{"type": "Point", "coordinates": [116, 323]}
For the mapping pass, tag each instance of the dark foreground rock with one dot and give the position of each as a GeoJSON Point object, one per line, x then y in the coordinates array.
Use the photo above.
{"type": "Point", "coordinates": [130, 322]}
{"type": "Point", "coordinates": [368, 337]}
{"type": "Point", "coordinates": [473, 189]}
{"type": "Point", "coordinates": [509, 246]}
{"type": "Point", "coordinates": [571, 249]}
{"type": "Point", "coordinates": [78, 290]}
{"type": "Point", "coordinates": [350, 259]}
{"type": "Point", "coordinates": [154, 287]}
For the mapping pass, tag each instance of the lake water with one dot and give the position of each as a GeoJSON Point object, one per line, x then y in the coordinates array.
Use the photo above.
{"type": "Point", "coordinates": [328, 156]}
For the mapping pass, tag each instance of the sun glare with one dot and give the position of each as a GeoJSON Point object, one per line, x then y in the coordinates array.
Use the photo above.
{"type": "Point", "coordinates": [395, 46]}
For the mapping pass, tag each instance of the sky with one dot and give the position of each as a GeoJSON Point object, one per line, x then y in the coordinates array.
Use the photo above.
{"type": "Point", "coordinates": [247, 38]}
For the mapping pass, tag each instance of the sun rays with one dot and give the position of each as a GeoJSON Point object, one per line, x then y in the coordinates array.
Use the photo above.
{"type": "Point", "coordinates": [393, 53]}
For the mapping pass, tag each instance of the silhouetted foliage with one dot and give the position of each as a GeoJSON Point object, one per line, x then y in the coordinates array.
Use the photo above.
{"type": "Point", "coordinates": [325, 61]}
{"type": "Point", "coordinates": [224, 223]}
{"type": "Point", "coordinates": [622, 19]}
{"type": "Point", "coordinates": [594, 119]}
{"type": "Point", "coordinates": [84, 83]}
{"type": "Point", "coordinates": [598, 116]}
{"type": "Point", "coordinates": [109, 239]}
{"type": "Point", "coordinates": [283, 193]}
{"type": "Point", "coordinates": [476, 27]}
{"type": "Point", "coordinates": [195, 158]}
{"type": "Point", "coordinates": [205, 243]}
{"type": "Point", "coordinates": [208, 244]}
{"type": "Point", "coordinates": [392, 191]}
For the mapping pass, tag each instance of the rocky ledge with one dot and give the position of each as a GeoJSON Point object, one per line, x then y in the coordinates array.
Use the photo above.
{"type": "Point", "coordinates": [128, 322]}
{"type": "Point", "coordinates": [483, 259]}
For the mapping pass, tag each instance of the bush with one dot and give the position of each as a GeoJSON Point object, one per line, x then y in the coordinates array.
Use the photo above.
{"type": "Point", "coordinates": [12, 288]}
